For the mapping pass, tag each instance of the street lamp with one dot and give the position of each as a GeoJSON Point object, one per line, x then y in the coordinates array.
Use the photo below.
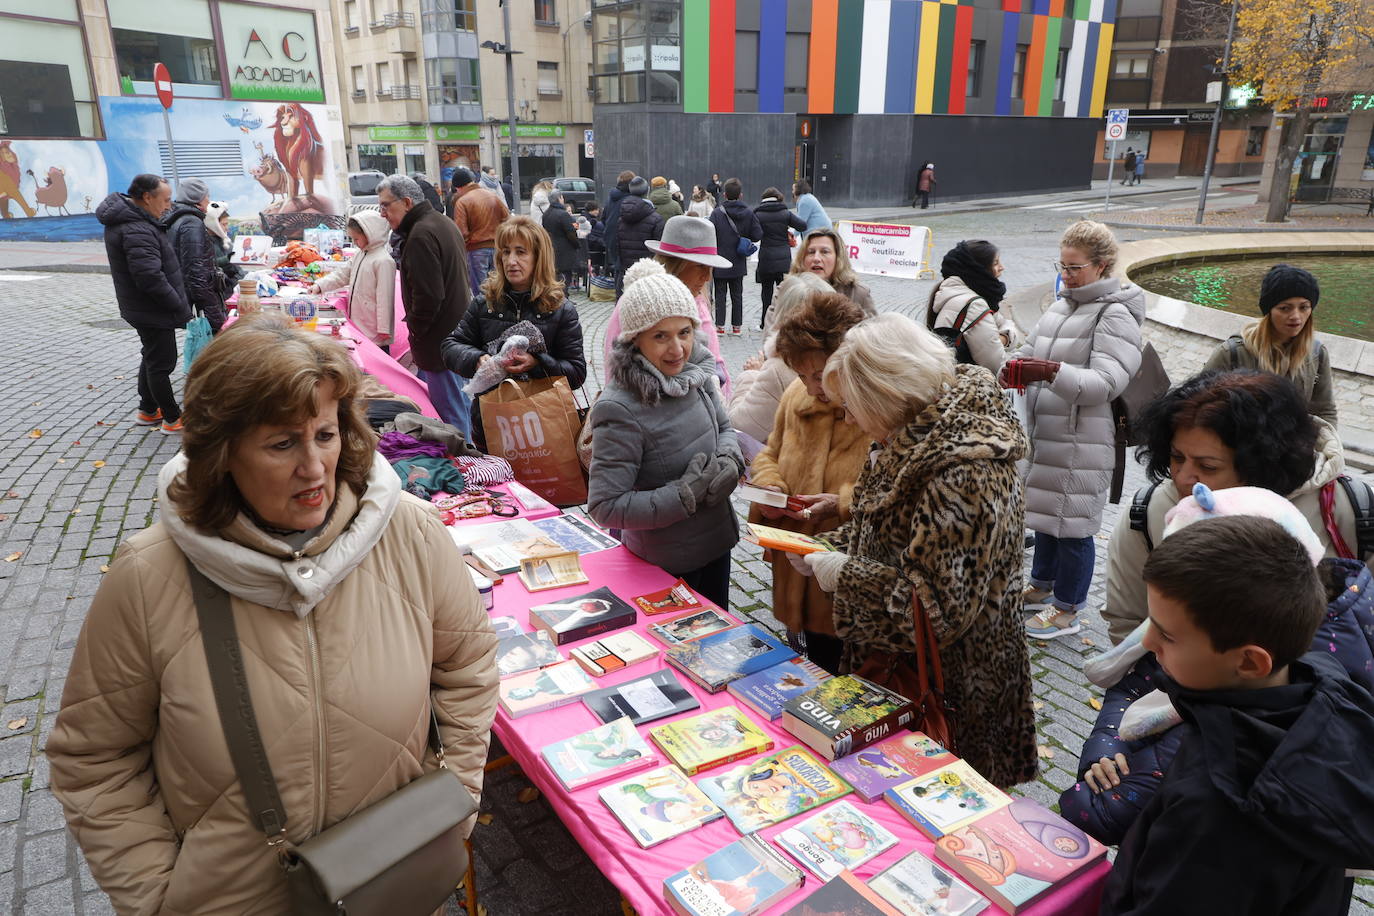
{"type": "Point", "coordinates": [1216, 115]}
{"type": "Point", "coordinates": [504, 49]}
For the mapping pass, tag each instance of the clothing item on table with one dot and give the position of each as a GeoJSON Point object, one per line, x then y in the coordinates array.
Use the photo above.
{"type": "Point", "coordinates": [429, 429]}
{"type": "Point", "coordinates": [423, 477]}
{"type": "Point", "coordinates": [484, 470]}
{"type": "Point", "coordinates": [395, 446]}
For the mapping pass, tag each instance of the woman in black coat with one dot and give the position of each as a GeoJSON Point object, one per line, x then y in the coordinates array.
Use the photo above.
{"type": "Point", "coordinates": [775, 249]}
{"type": "Point", "coordinates": [521, 288]}
{"type": "Point", "coordinates": [567, 252]}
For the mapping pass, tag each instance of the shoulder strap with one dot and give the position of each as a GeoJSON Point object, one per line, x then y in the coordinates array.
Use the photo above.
{"type": "Point", "coordinates": [1140, 512]}
{"type": "Point", "coordinates": [1361, 498]}
{"type": "Point", "coordinates": [959, 319]}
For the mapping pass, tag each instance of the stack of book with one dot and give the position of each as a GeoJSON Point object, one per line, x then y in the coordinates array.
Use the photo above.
{"type": "Point", "coordinates": [727, 655]}
{"type": "Point", "coordinates": [845, 714]}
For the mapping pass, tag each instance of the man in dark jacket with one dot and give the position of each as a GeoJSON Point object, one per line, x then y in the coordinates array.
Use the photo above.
{"type": "Point", "coordinates": [611, 216]}
{"type": "Point", "coordinates": [775, 249]}
{"type": "Point", "coordinates": [148, 287]}
{"type": "Point", "coordinates": [567, 249]}
{"type": "Point", "coordinates": [431, 193]}
{"type": "Point", "coordinates": [638, 223]}
{"type": "Point", "coordinates": [434, 288]}
{"type": "Point", "coordinates": [733, 220]}
{"type": "Point", "coordinates": [196, 251]}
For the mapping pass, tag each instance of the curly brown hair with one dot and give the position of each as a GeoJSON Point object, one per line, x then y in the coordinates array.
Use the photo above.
{"type": "Point", "coordinates": [261, 370]}
{"type": "Point", "coordinates": [819, 323]}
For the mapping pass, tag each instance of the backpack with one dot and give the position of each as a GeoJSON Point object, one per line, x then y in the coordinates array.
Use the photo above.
{"type": "Point", "coordinates": [1150, 381]}
{"type": "Point", "coordinates": [954, 336]}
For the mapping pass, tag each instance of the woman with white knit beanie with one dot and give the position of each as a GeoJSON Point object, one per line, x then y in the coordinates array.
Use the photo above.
{"type": "Point", "coordinates": [664, 457]}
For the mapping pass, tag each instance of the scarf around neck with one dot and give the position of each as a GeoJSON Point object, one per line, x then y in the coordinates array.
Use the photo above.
{"type": "Point", "coordinates": [959, 262]}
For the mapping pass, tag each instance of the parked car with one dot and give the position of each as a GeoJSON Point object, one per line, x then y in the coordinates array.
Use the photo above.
{"type": "Point", "coordinates": [362, 190]}
{"type": "Point", "coordinates": [577, 192]}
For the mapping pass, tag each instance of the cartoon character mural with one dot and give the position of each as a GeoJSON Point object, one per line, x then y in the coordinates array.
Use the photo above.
{"type": "Point", "coordinates": [300, 149]}
{"type": "Point", "coordinates": [9, 181]}
{"type": "Point", "coordinates": [62, 172]}
{"type": "Point", "coordinates": [53, 192]}
{"type": "Point", "coordinates": [270, 174]}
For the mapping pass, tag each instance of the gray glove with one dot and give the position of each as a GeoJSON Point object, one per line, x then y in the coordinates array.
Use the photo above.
{"type": "Point", "coordinates": [723, 473]}
{"type": "Point", "coordinates": [695, 482]}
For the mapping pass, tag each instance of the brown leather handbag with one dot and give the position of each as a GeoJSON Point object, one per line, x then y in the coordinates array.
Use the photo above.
{"type": "Point", "coordinates": [403, 856]}
{"type": "Point", "coordinates": [918, 677]}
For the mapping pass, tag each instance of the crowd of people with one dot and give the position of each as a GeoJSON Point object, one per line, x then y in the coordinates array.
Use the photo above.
{"type": "Point", "coordinates": [1231, 756]}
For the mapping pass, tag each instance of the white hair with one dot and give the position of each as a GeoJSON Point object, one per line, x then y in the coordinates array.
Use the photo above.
{"type": "Point", "coordinates": [402, 186]}
{"type": "Point", "coordinates": [792, 292]}
{"type": "Point", "coordinates": [887, 370]}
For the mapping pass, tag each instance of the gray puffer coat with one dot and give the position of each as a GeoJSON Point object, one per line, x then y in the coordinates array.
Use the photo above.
{"type": "Point", "coordinates": [1071, 429]}
{"type": "Point", "coordinates": [645, 430]}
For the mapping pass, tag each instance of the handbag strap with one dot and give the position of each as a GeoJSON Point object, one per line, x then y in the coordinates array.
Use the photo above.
{"type": "Point", "coordinates": [1327, 498]}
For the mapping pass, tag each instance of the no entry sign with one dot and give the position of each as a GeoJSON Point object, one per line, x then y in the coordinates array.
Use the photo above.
{"type": "Point", "coordinates": [162, 81]}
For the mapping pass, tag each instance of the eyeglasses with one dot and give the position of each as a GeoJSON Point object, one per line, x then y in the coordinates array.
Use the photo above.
{"type": "Point", "coordinates": [384, 204]}
{"type": "Point", "coordinates": [1070, 269]}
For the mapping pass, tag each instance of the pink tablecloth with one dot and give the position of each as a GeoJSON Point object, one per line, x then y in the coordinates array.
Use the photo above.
{"type": "Point", "coordinates": [525, 512]}
{"type": "Point", "coordinates": [400, 339]}
{"type": "Point", "coordinates": [639, 873]}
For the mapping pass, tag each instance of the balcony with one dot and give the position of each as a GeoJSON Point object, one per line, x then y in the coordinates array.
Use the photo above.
{"type": "Point", "coordinates": [547, 93]}
{"type": "Point", "coordinates": [351, 30]}
{"type": "Point", "coordinates": [405, 92]}
{"type": "Point", "coordinates": [401, 40]}
{"type": "Point", "coordinates": [393, 21]}
{"type": "Point", "coordinates": [359, 93]}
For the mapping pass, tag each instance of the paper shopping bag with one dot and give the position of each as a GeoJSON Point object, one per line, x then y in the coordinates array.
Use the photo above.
{"type": "Point", "coordinates": [534, 424]}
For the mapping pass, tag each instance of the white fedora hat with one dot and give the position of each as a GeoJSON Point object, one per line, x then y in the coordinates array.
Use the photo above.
{"type": "Point", "coordinates": [690, 238]}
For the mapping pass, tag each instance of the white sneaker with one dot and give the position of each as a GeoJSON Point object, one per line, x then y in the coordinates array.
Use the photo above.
{"type": "Point", "coordinates": [1052, 623]}
{"type": "Point", "coordinates": [1036, 599]}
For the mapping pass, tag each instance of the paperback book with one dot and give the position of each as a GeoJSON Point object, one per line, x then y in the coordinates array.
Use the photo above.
{"type": "Point", "coordinates": [506, 626]}
{"type": "Point", "coordinates": [773, 788]}
{"type": "Point", "coordinates": [891, 762]}
{"type": "Point", "coordinates": [766, 497]}
{"type": "Point", "coordinates": [742, 879]}
{"type": "Point", "coordinates": [710, 740]}
{"type": "Point", "coordinates": [525, 652]}
{"type": "Point", "coordinates": [844, 714]}
{"type": "Point", "coordinates": [772, 538]}
{"type": "Point", "coordinates": [502, 545]}
{"type": "Point", "coordinates": [575, 534]}
{"type": "Point", "coordinates": [547, 688]}
{"type": "Point", "coordinates": [946, 799]}
{"type": "Point", "coordinates": [1017, 853]}
{"type": "Point", "coordinates": [658, 805]}
{"type": "Point", "coordinates": [592, 614]}
{"type": "Point", "coordinates": [605, 752]}
{"type": "Point", "coordinates": [918, 887]}
{"type": "Point", "coordinates": [676, 597]}
{"type": "Point", "coordinates": [613, 653]}
{"type": "Point", "coordinates": [838, 838]}
{"type": "Point", "coordinates": [719, 658]}
{"type": "Point", "coordinates": [644, 699]}
{"type": "Point", "coordinates": [690, 626]}
{"type": "Point", "coordinates": [767, 691]}
{"type": "Point", "coordinates": [555, 570]}
{"type": "Point", "coordinates": [844, 895]}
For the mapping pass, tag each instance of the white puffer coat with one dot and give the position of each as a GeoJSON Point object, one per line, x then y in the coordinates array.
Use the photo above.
{"type": "Point", "coordinates": [1071, 429]}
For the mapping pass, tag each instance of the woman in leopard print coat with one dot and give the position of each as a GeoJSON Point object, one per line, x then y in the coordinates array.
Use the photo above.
{"type": "Point", "coordinates": [937, 514]}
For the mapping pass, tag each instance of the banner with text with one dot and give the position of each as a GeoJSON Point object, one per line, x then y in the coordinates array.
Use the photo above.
{"type": "Point", "coordinates": [891, 250]}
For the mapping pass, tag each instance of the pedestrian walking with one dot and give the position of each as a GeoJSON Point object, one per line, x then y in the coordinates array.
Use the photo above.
{"type": "Point", "coordinates": [713, 187]}
{"type": "Point", "coordinates": [661, 196]}
{"type": "Point", "coordinates": [701, 204]}
{"type": "Point", "coordinates": [596, 238]}
{"type": "Point", "coordinates": [736, 227]}
{"type": "Point", "coordinates": [809, 209]}
{"type": "Point", "coordinates": [639, 222]}
{"type": "Point", "coordinates": [431, 193]}
{"type": "Point", "coordinates": [567, 249]}
{"type": "Point", "coordinates": [775, 247]}
{"type": "Point", "coordinates": [149, 290]}
{"type": "Point", "coordinates": [611, 217]}
{"type": "Point", "coordinates": [487, 178]}
{"type": "Point", "coordinates": [1128, 166]}
{"type": "Point", "coordinates": [508, 192]}
{"type": "Point", "coordinates": [477, 213]}
{"type": "Point", "coordinates": [217, 223]}
{"type": "Point", "coordinates": [195, 249]}
{"type": "Point", "coordinates": [539, 200]}
{"type": "Point", "coordinates": [1139, 167]}
{"type": "Point", "coordinates": [925, 185]}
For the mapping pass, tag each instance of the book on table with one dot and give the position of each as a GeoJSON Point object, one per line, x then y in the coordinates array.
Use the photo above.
{"type": "Point", "coordinates": [690, 626]}
{"type": "Point", "coordinates": [916, 886]}
{"type": "Point", "coordinates": [766, 692]}
{"type": "Point", "coordinates": [644, 699]}
{"type": "Point", "coordinates": [501, 546]}
{"type": "Point", "coordinates": [579, 617]}
{"type": "Point", "coordinates": [771, 538]}
{"type": "Point", "coordinates": [554, 570]}
{"type": "Point", "coordinates": [717, 659]}
{"type": "Point", "coordinates": [657, 805]}
{"type": "Point", "coordinates": [773, 788]}
{"type": "Point", "coordinates": [891, 762]}
{"type": "Point", "coordinates": [602, 753]}
{"type": "Point", "coordinates": [834, 839]}
{"type": "Point", "coordinates": [946, 799]}
{"type": "Point", "coordinates": [1017, 853]}
{"type": "Point", "coordinates": [613, 653]}
{"type": "Point", "coordinates": [844, 895]}
{"type": "Point", "coordinates": [676, 597]}
{"type": "Point", "coordinates": [710, 739]}
{"type": "Point", "coordinates": [525, 652]}
{"type": "Point", "coordinates": [844, 714]}
{"type": "Point", "coordinates": [742, 879]}
{"type": "Point", "coordinates": [576, 534]}
{"type": "Point", "coordinates": [506, 626]}
{"type": "Point", "coordinates": [547, 688]}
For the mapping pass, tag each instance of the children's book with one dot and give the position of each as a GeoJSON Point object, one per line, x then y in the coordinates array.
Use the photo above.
{"type": "Point", "coordinates": [742, 879]}
{"type": "Point", "coordinates": [506, 626]}
{"type": "Point", "coordinates": [1017, 853]}
{"type": "Point", "coordinates": [766, 497]}
{"type": "Point", "coordinates": [773, 788]}
{"type": "Point", "coordinates": [605, 752]}
{"type": "Point", "coordinates": [781, 539]}
{"type": "Point", "coordinates": [252, 249]}
{"type": "Point", "coordinates": [592, 614]}
{"type": "Point", "coordinates": [844, 895]}
{"type": "Point", "coordinates": [891, 762]}
{"type": "Point", "coordinates": [525, 652]}
{"type": "Point", "coordinates": [644, 699]}
{"type": "Point", "coordinates": [614, 652]}
{"type": "Point", "coordinates": [690, 626]}
{"type": "Point", "coordinates": [547, 688]}
{"type": "Point", "coordinates": [837, 838]}
{"type": "Point", "coordinates": [555, 570]}
{"type": "Point", "coordinates": [710, 739]}
{"type": "Point", "coordinates": [844, 714]}
{"type": "Point", "coordinates": [658, 805]}
{"type": "Point", "coordinates": [946, 799]}
{"type": "Point", "coordinates": [676, 597]}
{"type": "Point", "coordinates": [767, 691]}
{"type": "Point", "coordinates": [719, 658]}
{"type": "Point", "coordinates": [918, 887]}
{"type": "Point", "coordinates": [575, 534]}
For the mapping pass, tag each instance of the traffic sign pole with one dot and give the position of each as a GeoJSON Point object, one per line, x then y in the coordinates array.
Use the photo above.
{"type": "Point", "coordinates": [1116, 129]}
{"type": "Point", "coordinates": [1111, 165]}
{"type": "Point", "coordinates": [162, 82]}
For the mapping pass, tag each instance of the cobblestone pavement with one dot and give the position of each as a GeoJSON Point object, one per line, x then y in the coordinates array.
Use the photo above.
{"type": "Point", "coordinates": [76, 477]}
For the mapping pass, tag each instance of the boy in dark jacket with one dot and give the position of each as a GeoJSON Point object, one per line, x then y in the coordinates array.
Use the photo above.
{"type": "Point", "coordinates": [1265, 805]}
{"type": "Point", "coordinates": [733, 221]}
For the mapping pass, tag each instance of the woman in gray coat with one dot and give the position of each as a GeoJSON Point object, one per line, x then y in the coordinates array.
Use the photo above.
{"type": "Point", "coordinates": [664, 457]}
{"type": "Point", "coordinates": [1081, 355]}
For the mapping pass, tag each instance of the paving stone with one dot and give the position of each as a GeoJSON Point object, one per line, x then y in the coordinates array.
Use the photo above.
{"type": "Point", "coordinates": [96, 904]}
{"type": "Point", "coordinates": [14, 755]}
{"type": "Point", "coordinates": [11, 800]}
{"type": "Point", "coordinates": [42, 813]}
{"type": "Point", "coordinates": [26, 682]}
{"type": "Point", "coordinates": [44, 859]}
{"type": "Point", "coordinates": [9, 840]}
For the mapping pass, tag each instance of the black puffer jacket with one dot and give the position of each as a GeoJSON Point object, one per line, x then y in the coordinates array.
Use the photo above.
{"type": "Point", "coordinates": [196, 254]}
{"type": "Point", "coordinates": [639, 222]}
{"type": "Point", "coordinates": [143, 266]}
{"type": "Point", "coordinates": [610, 215]}
{"type": "Point", "coordinates": [434, 282]}
{"type": "Point", "coordinates": [558, 223]}
{"type": "Point", "coordinates": [733, 219]}
{"type": "Point", "coordinates": [775, 255]}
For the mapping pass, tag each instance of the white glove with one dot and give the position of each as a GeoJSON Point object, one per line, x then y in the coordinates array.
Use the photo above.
{"type": "Point", "coordinates": [799, 563]}
{"type": "Point", "coordinates": [826, 564]}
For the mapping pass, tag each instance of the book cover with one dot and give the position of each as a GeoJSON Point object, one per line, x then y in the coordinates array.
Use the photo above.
{"type": "Point", "coordinates": [773, 788]}
{"type": "Point", "coordinates": [676, 597]}
{"type": "Point", "coordinates": [576, 534]}
{"type": "Point", "coordinates": [554, 570]}
{"type": "Point", "coordinates": [547, 688]}
{"type": "Point", "coordinates": [613, 653]}
{"type": "Point", "coordinates": [843, 714]}
{"type": "Point", "coordinates": [916, 885]}
{"type": "Point", "coordinates": [844, 895]}
{"type": "Point", "coordinates": [506, 626]}
{"type": "Point", "coordinates": [710, 739]}
{"type": "Point", "coordinates": [658, 805]}
{"type": "Point", "coordinates": [690, 626]}
{"type": "Point", "coordinates": [644, 699]}
{"type": "Point", "coordinates": [502, 545]}
{"type": "Point", "coordinates": [605, 752]}
{"type": "Point", "coordinates": [891, 762]}
{"type": "Point", "coordinates": [1015, 854]}
{"type": "Point", "coordinates": [525, 652]}
{"type": "Point", "coordinates": [767, 691]}
{"type": "Point", "coordinates": [586, 615]}
{"type": "Point", "coordinates": [781, 539]}
{"type": "Point", "coordinates": [717, 659]}
{"type": "Point", "coordinates": [763, 497]}
{"type": "Point", "coordinates": [838, 838]}
{"type": "Point", "coordinates": [946, 799]}
{"type": "Point", "coordinates": [742, 879]}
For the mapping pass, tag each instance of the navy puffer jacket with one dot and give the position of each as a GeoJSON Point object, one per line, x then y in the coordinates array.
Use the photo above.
{"type": "Point", "coordinates": [143, 266]}
{"type": "Point", "coordinates": [196, 254]}
{"type": "Point", "coordinates": [639, 222]}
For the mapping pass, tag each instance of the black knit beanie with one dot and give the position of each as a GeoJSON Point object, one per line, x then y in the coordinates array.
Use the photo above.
{"type": "Point", "coordinates": [1284, 281]}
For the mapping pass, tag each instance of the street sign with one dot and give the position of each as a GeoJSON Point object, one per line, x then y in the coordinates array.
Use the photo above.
{"type": "Point", "coordinates": [591, 150]}
{"type": "Point", "coordinates": [1116, 123]}
{"type": "Point", "coordinates": [162, 80]}
{"type": "Point", "coordinates": [589, 137]}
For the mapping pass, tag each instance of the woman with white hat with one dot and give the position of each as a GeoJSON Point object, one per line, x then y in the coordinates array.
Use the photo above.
{"type": "Point", "coordinates": [664, 457]}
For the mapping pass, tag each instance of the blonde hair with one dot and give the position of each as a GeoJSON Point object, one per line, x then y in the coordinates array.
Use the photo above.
{"type": "Point", "coordinates": [887, 370]}
{"type": "Point", "coordinates": [1280, 357]}
{"type": "Point", "coordinates": [680, 266]}
{"type": "Point", "coordinates": [546, 292]}
{"type": "Point", "coordinates": [844, 273]}
{"type": "Point", "coordinates": [1093, 239]}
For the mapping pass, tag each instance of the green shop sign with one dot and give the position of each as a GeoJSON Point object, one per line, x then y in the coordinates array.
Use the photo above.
{"type": "Point", "coordinates": [399, 132]}
{"type": "Point", "coordinates": [534, 130]}
{"type": "Point", "coordinates": [467, 132]}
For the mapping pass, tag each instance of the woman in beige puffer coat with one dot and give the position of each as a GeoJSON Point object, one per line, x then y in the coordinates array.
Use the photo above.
{"type": "Point", "coordinates": [353, 609]}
